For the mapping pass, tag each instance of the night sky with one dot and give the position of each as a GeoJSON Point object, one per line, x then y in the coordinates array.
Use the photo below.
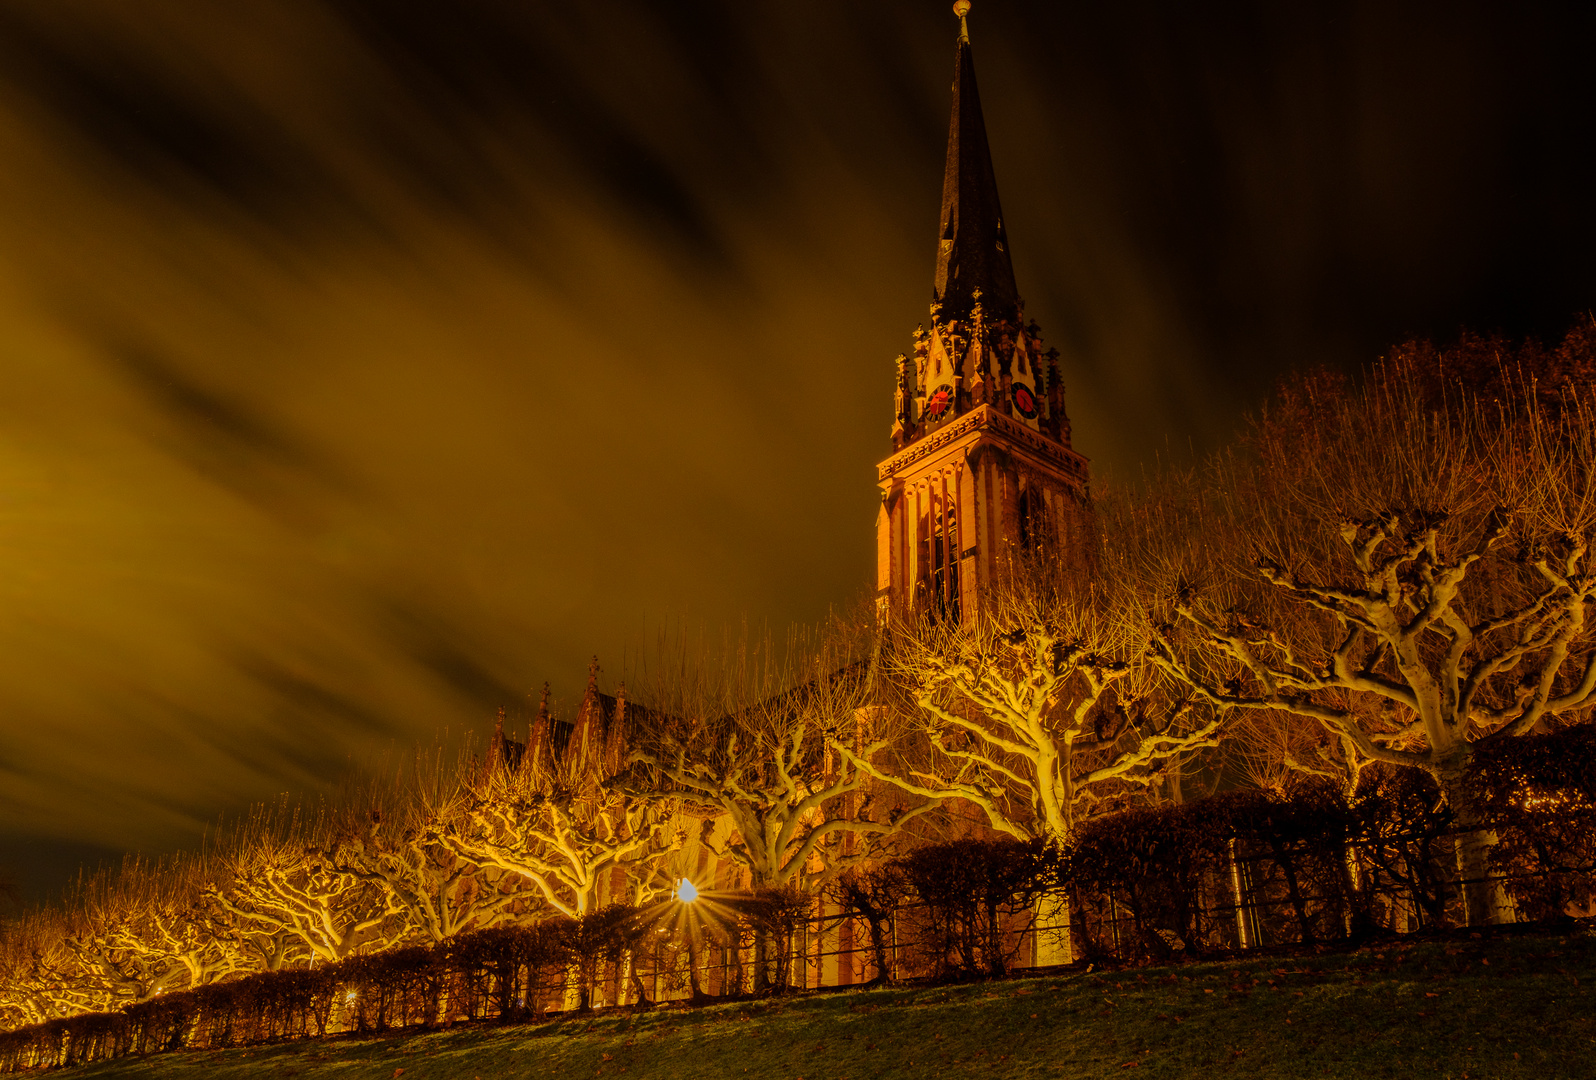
{"type": "Point", "coordinates": [368, 362]}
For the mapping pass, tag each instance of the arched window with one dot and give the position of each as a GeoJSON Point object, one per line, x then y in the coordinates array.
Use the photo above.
{"type": "Point", "coordinates": [939, 555]}
{"type": "Point", "coordinates": [1033, 519]}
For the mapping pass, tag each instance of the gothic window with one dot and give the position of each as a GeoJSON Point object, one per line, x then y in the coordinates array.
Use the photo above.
{"type": "Point", "coordinates": [1033, 519]}
{"type": "Point", "coordinates": [939, 556]}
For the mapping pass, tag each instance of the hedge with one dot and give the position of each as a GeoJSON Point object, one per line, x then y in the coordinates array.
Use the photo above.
{"type": "Point", "coordinates": [1243, 869]}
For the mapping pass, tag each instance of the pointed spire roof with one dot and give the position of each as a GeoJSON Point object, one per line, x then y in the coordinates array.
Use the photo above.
{"type": "Point", "coordinates": [539, 738]}
{"type": "Point", "coordinates": [496, 745]}
{"type": "Point", "coordinates": [972, 247]}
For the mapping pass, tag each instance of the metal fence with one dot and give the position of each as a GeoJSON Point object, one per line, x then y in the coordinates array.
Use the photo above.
{"type": "Point", "coordinates": [1214, 897]}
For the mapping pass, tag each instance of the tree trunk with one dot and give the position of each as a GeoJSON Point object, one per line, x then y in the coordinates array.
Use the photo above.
{"type": "Point", "coordinates": [1293, 890]}
{"type": "Point", "coordinates": [878, 948]}
{"type": "Point", "coordinates": [995, 965]}
{"type": "Point", "coordinates": [1485, 900]}
{"type": "Point", "coordinates": [1360, 916]}
{"type": "Point", "coordinates": [575, 990]}
{"type": "Point", "coordinates": [693, 985]}
{"type": "Point", "coordinates": [761, 960]}
{"type": "Point", "coordinates": [1244, 934]}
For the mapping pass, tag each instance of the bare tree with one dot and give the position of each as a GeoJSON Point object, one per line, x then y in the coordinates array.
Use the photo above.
{"type": "Point", "coordinates": [1406, 566]}
{"type": "Point", "coordinates": [390, 834]}
{"type": "Point", "coordinates": [744, 737]}
{"type": "Point", "coordinates": [752, 737]}
{"type": "Point", "coordinates": [1036, 709]}
{"type": "Point", "coordinates": [547, 815]}
{"type": "Point", "coordinates": [1269, 749]}
{"type": "Point", "coordinates": [144, 929]}
{"type": "Point", "coordinates": [288, 900]}
{"type": "Point", "coordinates": [41, 977]}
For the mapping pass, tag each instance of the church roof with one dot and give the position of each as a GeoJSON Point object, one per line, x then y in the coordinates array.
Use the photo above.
{"type": "Point", "coordinates": [973, 249]}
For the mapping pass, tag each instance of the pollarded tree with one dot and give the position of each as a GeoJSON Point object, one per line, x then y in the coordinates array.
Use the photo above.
{"type": "Point", "coordinates": [390, 835]}
{"type": "Point", "coordinates": [545, 813]}
{"type": "Point", "coordinates": [288, 900]}
{"type": "Point", "coordinates": [145, 928]}
{"type": "Point", "coordinates": [41, 977]}
{"type": "Point", "coordinates": [1037, 708]}
{"type": "Point", "coordinates": [744, 739]}
{"type": "Point", "coordinates": [1271, 750]}
{"type": "Point", "coordinates": [751, 739]}
{"type": "Point", "coordinates": [1404, 564]}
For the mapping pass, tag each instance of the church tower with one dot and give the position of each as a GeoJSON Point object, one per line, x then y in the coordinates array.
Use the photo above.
{"type": "Point", "coordinates": [981, 466]}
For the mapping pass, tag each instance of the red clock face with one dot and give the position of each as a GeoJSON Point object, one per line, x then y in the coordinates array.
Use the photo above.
{"type": "Point", "coordinates": [1025, 401]}
{"type": "Point", "coordinates": [939, 404]}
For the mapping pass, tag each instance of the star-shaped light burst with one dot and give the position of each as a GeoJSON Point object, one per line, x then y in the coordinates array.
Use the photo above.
{"type": "Point", "coordinates": [690, 917]}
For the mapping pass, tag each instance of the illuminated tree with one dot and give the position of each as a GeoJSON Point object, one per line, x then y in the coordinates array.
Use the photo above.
{"type": "Point", "coordinates": [1036, 709]}
{"type": "Point", "coordinates": [40, 975]}
{"type": "Point", "coordinates": [550, 818]}
{"type": "Point", "coordinates": [146, 929]}
{"type": "Point", "coordinates": [390, 835]}
{"type": "Point", "coordinates": [1404, 564]}
{"type": "Point", "coordinates": [744, 738]}
{"type": "Point", "coordinates": [752, 739]}
{"type": "Point", "coordinates": [289, 900]}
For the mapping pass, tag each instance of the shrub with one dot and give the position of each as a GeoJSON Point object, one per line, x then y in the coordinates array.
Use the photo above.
{"type": "Point", "coordinates": [1151, 863]}
{"type": "Point", "coordinates": [1402, 827]}
{"type": "Point", "coordinates": [1540, 791]}
{"type": "Point", "coordinates": [973, 892]}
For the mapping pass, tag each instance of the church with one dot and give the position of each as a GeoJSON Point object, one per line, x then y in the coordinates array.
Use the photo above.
{"type": "Point", "coordinates": [981, 463]}
{"type": "Point", "coordinates": [981, 469]}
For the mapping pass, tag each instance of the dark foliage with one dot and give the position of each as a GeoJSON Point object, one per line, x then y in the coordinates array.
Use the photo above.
{"type": "Point", "coordinates": [775, 916]}
{"type": "Point", "coordinates": [1492, 366]}
{"type": "Point", "coordinates": [969, 892]}
{"type": "Point", "coordinates": [873, 895]}
{"type": "Point", "coordinates": [1241, 869]}
{"type": "Point", "coordinates": [1540, 791]}
{"type": "Point", "coordinates": [1404, 846]}
{"type": "Point", "coordinates": [1144, 871]}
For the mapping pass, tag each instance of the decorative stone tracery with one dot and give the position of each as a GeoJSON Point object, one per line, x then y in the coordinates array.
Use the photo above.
{"type": "Point", "coordinates": [981, 465]}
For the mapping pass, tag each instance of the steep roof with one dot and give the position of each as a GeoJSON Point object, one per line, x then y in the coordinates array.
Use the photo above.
{"type": "Point", "coordinates": [972, 249]}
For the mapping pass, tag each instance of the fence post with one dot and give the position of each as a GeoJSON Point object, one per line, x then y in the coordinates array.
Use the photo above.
{"type": "Point", "coordinates": [894, 943]}
{"type": "Point", "coordinates": [803, 951]}
{"type": "Point", "coordinates": [1243, 931]}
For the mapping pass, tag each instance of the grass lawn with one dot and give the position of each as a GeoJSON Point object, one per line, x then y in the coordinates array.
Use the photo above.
{"type": "Point", "coordinates": [1507, 1006]}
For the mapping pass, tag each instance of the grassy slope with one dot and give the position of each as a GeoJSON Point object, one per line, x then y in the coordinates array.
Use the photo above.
{"type": "Point", "coordinates": [1504, 1007]}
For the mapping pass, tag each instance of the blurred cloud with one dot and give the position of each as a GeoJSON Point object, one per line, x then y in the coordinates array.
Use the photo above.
{"type": "Point", "coordinates": [368, 363]}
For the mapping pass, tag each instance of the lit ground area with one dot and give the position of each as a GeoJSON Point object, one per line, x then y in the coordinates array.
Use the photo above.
{"type": "Point", "coordinates": [1505, 1007]}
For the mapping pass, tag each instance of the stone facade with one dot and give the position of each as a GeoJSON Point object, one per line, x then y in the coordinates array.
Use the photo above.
{"type": "Point", "coordinates": [981, 469]}
{"type": "Point", "coordinates": [981, 465]}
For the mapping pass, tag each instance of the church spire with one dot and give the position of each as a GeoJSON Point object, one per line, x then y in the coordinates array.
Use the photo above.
{"type": "Point", "coordinates": [973, 248]}
{"type": "Point", "coordinates": [981, 467]}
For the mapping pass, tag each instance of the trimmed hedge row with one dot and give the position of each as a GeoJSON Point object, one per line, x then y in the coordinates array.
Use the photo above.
{"type": "Point", "coordinates": [505, 974]}
{"type": "Point", "coordinates": [1244, 869]}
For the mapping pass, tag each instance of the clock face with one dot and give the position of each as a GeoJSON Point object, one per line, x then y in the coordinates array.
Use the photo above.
{"type": "Point", "coordinates": [939, 403]}
{"type": "Point", "coordinates": [1025, 401]}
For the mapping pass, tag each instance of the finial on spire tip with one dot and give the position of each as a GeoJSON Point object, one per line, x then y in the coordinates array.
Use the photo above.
{"type": "Point", "coordinates": [961, 8]}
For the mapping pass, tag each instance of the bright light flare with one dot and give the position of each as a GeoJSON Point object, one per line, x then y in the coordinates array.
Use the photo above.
{"type": "Point", "coordinates": [686, 891]}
